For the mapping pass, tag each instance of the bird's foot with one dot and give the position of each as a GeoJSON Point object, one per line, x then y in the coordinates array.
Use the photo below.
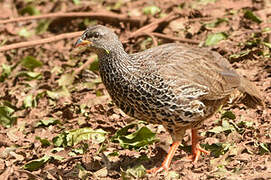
{"type": "Point", "coordinates": [158, 169]}
{"type": "Point", "coordinates": [167, 161]}
{"type": "Point", "coordinates": [196, 149]}
{"type": "Point", "coordinates": [196, 153]}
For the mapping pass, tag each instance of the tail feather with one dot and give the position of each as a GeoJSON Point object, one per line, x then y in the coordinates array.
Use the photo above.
{"type": "Point", "coordinates": [252, 96]}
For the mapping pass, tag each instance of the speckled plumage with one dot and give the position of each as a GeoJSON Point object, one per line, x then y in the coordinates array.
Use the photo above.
{"type": "Point", "coordinates": [176, 85]}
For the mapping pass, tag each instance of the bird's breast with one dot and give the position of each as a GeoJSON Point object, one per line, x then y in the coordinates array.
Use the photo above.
{"type": "Point", "coordinates": [145, 97]}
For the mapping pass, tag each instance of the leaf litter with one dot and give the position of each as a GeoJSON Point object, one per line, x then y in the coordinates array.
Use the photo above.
{"type": "Point", "coordinates": [56, 124]}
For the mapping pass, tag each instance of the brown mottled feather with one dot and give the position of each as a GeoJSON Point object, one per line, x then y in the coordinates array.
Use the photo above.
{"type": "Point", "coordinates": [176, 85]}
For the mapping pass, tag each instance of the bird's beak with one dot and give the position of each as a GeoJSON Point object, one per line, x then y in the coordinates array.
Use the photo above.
{"type": "Point", "coordinates": [81, 42]}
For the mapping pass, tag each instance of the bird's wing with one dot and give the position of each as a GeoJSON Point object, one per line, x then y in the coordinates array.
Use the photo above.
{"type": "Point", "coordinates": [193, 73]}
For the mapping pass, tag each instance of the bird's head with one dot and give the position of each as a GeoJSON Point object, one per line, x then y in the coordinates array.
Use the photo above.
{"type": "Point", "coordinates": [99, 39]}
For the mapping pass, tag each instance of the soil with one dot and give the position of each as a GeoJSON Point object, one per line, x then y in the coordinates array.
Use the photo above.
{"type": "Point", "coordinates": [33, 93]}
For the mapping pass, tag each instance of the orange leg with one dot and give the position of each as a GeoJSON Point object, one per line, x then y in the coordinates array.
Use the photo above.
{"type": "Point", "coordinates": [167, 161]}
{"type": "Point", "coordinates": [196, 149]}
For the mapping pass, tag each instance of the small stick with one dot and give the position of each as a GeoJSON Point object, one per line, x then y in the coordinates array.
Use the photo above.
{"type": "Point", "coordinates": [172, 38]}
{"type": "Point", "coordinates": [154, 40]}
{"type": "Point", "coordinates": [85, 65]}
{"type": "Point", "coordinates": [152, 26]}
{"type": "Point", "coordinates": [41, 41]}
{"type": "Point", "coordinates": [106, 16]}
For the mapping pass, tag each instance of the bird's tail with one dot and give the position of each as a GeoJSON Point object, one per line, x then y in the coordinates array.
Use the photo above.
{"type": "Point", "coordinates": [252, 96]}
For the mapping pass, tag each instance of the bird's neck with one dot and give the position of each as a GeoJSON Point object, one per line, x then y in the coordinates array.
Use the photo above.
{"type": "Point", "coordinates": [114, 60]}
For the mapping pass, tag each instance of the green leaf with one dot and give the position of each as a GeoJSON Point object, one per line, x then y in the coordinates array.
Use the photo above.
{"type": "Point", "coordinates": [225, 127]}
{"type": "Point", "coordinates": [47, 122]}
{"type": "Point", "coordinates": [216, 130]}
{"type": "Point", "coordinates": [29, 75]}
{"type": "Point", "coordinates": [73, 137]}
{"type": "Point", "coordinates": [31, 63]}
{"type": "Point", "coordinates": [151, 10]}
{"type": "Point", "coordinates": [31, 10]}
{"type": "Point", "coordinates": [228, 114]}
{"type": "Point", "coordinates": [76, 136]}
{"type": "Point", "coordinates": [266, 30]}
{"type": "Point", "coordinates": [57, 157]}
{"type": "Point", "coordinates": [57, 149]}
{"type": "Point", "coordinates": [76, 2]}
{"type": "Point", "coordinates": [60, 140]}
{"type": "Point", "coordinates": [135, 172]}
{"type": "Point", "coordinates": [63, 92]}
{"type": "Point", "coordinates": [98, 136]}
{"type": "Point", "coordinates": [248, 124]}
{"type": "Point", "coordinates": [24, 33]}
{"type": "Point", "coordinates": [44, 142]}
{"type": "Point", "coordinates": [251, 16]}
{"type": "Point", "coordinates": [146, 43]}
{"type": "Point", "coordinates": [136, 140]}
{"type": "Point", "coordinates": [117, 5]}
{"type": "Point", "coordinates": [28, 101]}
{"type": "Point", "coordinates": [267, 44]}
{"type": "Point", "coordinates": [113, 154]}
{"type": "Point", "coordinates": [264, 148]}
{"type": "Point", "coordinates": [94, 66]}
{"type": "Point", "coordinates": [217, 149]}
{"type": "Point", "coordinates": [82, 149]}
{"type": "Point", "coordinates": [37, 163]}
{"type": "Point", "coordinates": [240, 54]}
{"type": "Point", "coordinates": [216, 23]}
{"type": "Point", "coordinates": [6, 70]}
{"type": "Point", "coordinates": [205, 2]}
{"type": "Point", "coordinates": [173, 175]}
{"type": "Point", "coordinates": [66, 79]}
{"type": "Point", "coordinates": [6, 118]}
{"type": "Point", "coordinates": [43, 26]}
{"type": "Point", "coordinates": [78, 151]}
{"type": "Point", "coordinates": [213, 39]}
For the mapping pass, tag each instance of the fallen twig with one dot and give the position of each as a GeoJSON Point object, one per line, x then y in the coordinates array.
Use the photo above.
{"type": "Point", "coordinates": [105, 16]}
{"type": "Point", "coordinates": [172, 38]}
{"type": "Point", "coordinates": [85, 65]}
{"type": "Point", "coordinates": [71, 159]}
{"type": "Point", "coordinates": [41, 41]}
{"type": "Point", "coordinates": [154, 40]}
{"type": "Point", "coordinates": [152, 26]}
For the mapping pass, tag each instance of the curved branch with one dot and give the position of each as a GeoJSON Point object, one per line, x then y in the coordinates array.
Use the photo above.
{"type": "Point", "coordinates": [105, 16]}
{"type": "Point", "coordinates": [172, 38]}
{"type": "Point", "coordinates": [152, 26]}
{"type": "Point", "coordinates": [41, 41]}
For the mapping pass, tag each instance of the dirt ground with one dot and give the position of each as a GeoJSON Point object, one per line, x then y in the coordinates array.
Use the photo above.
{"type": "Point", "coordinates": [57, 120]}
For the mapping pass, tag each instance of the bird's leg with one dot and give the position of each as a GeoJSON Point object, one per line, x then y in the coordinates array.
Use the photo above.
{"type": "Point", "coordinates": [167, 161]}
{"type": "Point", "coordinates": [196, 149]}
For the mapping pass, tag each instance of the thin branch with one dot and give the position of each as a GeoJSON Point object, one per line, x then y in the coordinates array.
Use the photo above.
{"type": "Point", "coordinates": [105, 16]}
{"type": "Point", "coordinates": [172, 38]}
{"type": "Point", "coordinates": [41, 41]}
{"type": "Point", "coordinates": [154, 40]}
{"type": "Point", "coordinates": [152, 26]}
{"type": "Point", "coordinates": [84, 66]}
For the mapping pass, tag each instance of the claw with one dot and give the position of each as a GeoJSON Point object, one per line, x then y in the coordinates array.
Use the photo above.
{"type": "Point", "coordinates": [167, 161]}
{"type": "Point", "coordinates": [196, 149]}
{"type": "Point", "coordinates": [157, 170]}
{"type": "Point", "coordinates": [196, 154]}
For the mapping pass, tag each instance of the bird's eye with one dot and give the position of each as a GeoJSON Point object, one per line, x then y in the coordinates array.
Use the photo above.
{"type": "Point", "coordinates": [94, 35]}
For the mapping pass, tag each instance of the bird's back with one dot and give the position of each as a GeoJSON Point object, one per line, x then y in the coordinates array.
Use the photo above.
{"type": "Point", "coordinates": [200, 79]}
{"type": "Point", "coordinates": [172, 84]}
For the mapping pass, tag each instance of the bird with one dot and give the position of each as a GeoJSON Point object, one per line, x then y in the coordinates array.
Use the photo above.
{"type": "Point", "coordinates": [175, 85]}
